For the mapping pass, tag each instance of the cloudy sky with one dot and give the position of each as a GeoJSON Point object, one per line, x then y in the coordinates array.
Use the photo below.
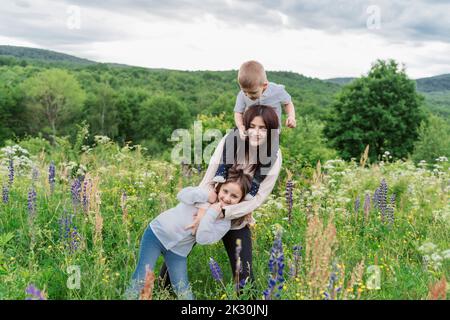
{"type": "Point", "coordinates": [317, 38]}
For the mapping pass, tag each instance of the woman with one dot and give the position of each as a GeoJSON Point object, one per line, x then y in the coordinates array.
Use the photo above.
{"type": "Point", "coordinates": [261, 123]}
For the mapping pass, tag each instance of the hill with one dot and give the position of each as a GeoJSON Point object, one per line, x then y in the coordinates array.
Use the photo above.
{"type": "Point", "coordinates": [430, 84]}
{"type": "Point", "coordinates": [40, 54]}
{"type": "Point", "coordinates": [214, 91]}
{"type": "Point", "coordinates": [433, 84]}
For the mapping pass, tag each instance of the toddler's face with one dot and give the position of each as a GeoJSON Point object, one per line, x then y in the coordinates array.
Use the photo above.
{"type": "Point", "coordinates": [255, 92]}
{"type": "Point", "coordinates": [230, 193]}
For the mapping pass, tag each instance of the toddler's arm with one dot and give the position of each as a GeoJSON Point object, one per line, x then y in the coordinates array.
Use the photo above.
{"type": "Point", "coordinates": [290, 112]}
{"type": "Point", "coordinates": [239, 121]}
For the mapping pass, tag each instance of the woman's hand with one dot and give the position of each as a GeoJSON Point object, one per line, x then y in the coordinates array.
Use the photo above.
{"type": "Point", "coordinates": [212, 196]}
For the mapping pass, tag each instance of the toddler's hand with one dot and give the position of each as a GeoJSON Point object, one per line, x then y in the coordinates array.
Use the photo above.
{"type": "Point", "coordinates": [242, 133]}
{"type": "Point", "coordinates": [290, 122]}
{"type": "Point", "coordinates": [212, 196]}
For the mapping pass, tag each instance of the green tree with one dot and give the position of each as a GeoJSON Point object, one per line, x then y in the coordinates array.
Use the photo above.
{"type": "Point", "coordinates": [101, 110]}
{"type": "Point", "coordinates": [305, 145]}
{"type": "Point", "coordinates": [159, 116]}
{"type": "Point", "coordinates": [223, 104]}
{"type": "Point", "coordinates": [434, 140]}
{"type": "Point", "coordinates": [381, 109]}
{"type": "Point", "coordinates": [12, 118]}
{"type": "Point", "coordinates": [128, 103]}
{"type": "Point", "coordinates": [56, 95]}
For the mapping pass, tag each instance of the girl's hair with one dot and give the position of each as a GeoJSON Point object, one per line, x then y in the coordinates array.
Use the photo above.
{"type": "Point", "coordinates": [238, 176]}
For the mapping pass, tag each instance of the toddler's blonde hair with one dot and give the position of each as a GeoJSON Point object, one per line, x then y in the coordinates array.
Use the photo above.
{"type": "Point", "coordinates": [251, 74]}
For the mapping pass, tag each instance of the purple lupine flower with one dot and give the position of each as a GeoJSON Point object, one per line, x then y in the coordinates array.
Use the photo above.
{"type": "Point", "coordinates": [32, 202]}
{"type": "Point", "coordinates": [332, 291]}
{"type": "Point", "coordinates": [11, 171]}
{"type": "Point", "coordinates": [68, 232]}
{"type": "Point", "coordinates": [375, 198]}
{"type": "Point", "coordinates": [51, 176]}
{"type": "Point", "coordinates": [5, 193]}
{"type": "Point", "coordinates": [393, 199]}
{"type": "Point", "coordinates": [390, 210]}
{"type": "Point", "coordinates": [63, 222]}
{"type": "Point", "coordinates": [357, 204]}
{"type": "Point", "coordinates": [241, 284]}
{"type": "Point", "coordinates": [382, 199]}
{"type": "Point", "coordinates": [276, 267]}
{"type": "Point", "coordinates": [215, 270]}
{"type": "Point", "coordinates": [199, 168]}
{"type": "Point", "coordinates": [289, 198]}
{"type": "Point", "coordinates": [366, 206]}
{"type": "Point", "coordinates": [76, 190]}
{"type": "Point", "coordinates": [86, 190]}
{"type": "Point", "coordinates": [295, 266]}
{"type": "Point", "coordinates": [73, 241]}
{"type": "Point", "coordinates": [34, 293]}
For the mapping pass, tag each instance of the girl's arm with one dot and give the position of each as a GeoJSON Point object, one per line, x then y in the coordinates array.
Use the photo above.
{"type": "Point", "coordinates": [210, 229]}
{"type": "Point", "coordinates": [193, 195]}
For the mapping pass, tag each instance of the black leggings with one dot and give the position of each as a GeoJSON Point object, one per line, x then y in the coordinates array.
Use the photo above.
{"type": "Point", "coordinates": [229, 241]}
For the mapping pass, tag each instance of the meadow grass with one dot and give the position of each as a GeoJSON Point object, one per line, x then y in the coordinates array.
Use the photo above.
{"type": "Point", "coordinates": [351, 247]}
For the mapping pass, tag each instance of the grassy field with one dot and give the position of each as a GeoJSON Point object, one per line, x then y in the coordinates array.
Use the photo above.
{"type": "Point", "coordinates": [340, 239]}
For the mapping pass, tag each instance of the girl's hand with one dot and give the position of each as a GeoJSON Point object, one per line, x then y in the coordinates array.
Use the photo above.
{"type": "Point", "coordinates": [217, 207]}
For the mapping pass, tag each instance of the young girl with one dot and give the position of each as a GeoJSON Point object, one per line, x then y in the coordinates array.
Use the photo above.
{"type": "Point", "coordinates": [169, 234]}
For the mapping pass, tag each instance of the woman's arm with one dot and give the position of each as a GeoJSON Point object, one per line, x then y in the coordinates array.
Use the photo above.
{"type": "Point", "coordinates": [212, 168]}
{"type": "Point", "coordinates": [238, 210]}
{"type": "Point", "coordinates": [213, 164]}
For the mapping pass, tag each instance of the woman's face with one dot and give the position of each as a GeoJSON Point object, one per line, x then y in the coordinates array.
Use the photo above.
{"type": "Point", "coordinates": [257, 132]}
{"type": "Point", "coordinates": [230, 193]}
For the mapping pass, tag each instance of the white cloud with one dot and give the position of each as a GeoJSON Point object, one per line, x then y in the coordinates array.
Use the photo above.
{"type": "Point", "coordinates": [168, 37]}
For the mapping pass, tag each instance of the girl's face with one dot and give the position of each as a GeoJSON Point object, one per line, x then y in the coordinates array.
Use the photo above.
{"type": "Point", "coordinates": [257, 132]}
{"type": "Point", "coordinates": [230, 193]}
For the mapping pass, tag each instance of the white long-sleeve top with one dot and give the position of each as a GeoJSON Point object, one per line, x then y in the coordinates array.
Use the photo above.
{"type": "Point", "coordinates": [169, 226]}
{"type": "Point", "coordinates": [240, 213]}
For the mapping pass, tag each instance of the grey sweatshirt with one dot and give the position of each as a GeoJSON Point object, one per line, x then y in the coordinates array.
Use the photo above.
{"type": "Point", "coordinates": [169, 226]}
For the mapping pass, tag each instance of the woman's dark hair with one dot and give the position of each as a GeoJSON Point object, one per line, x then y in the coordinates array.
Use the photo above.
{"type": "Point", "coordinates": [268, 114]}
{"type": "Point", "coordinates": [238, 176]}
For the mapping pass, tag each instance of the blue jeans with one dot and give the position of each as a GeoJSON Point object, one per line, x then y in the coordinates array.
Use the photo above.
{"type": "Point", "coordinates": [149, 252]}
